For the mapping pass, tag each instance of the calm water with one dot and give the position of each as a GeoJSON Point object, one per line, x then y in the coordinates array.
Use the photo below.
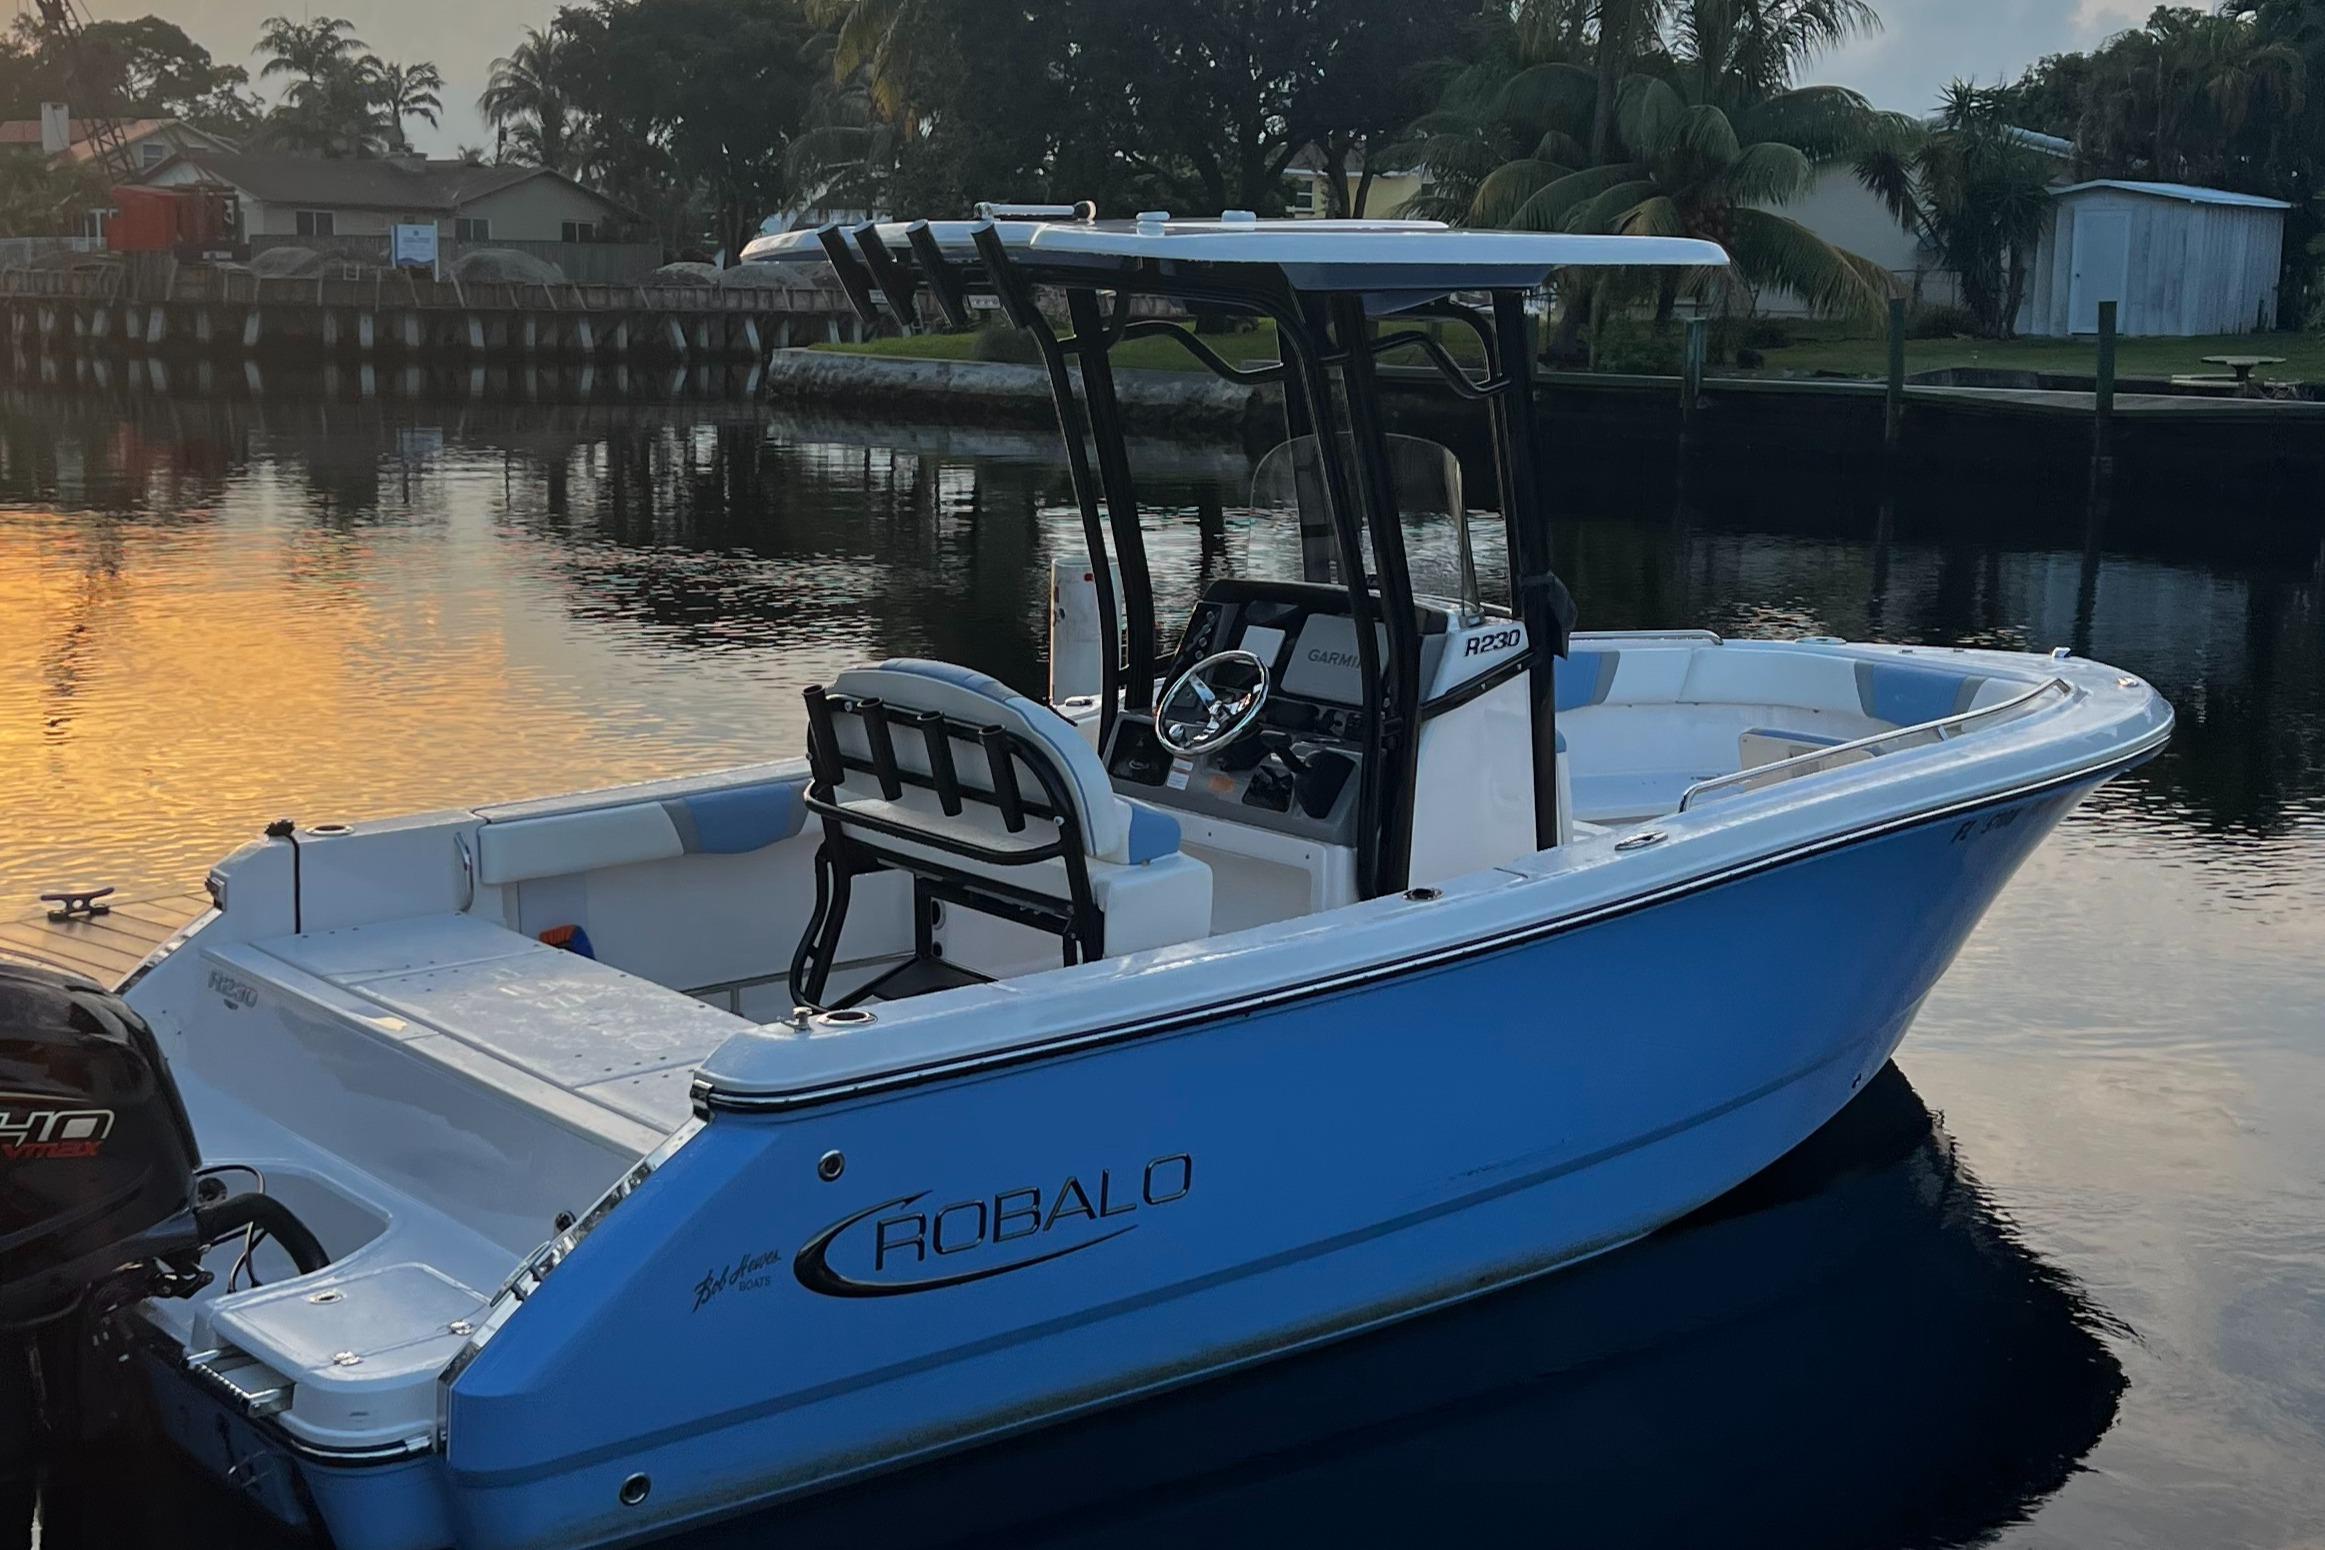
{"type": "Point", "coordinates": [2059, 1278]}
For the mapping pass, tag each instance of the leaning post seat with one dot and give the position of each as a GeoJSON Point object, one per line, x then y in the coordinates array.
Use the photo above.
{"type": "Point", "coordinates": [992, 802]}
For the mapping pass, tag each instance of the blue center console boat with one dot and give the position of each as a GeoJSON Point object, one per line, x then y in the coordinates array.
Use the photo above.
{"type": "Point", "coordinates": [635, 1158]}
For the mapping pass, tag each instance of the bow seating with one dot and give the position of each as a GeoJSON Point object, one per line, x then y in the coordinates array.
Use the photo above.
{"type": "Point", "coordinates": [992, 802]}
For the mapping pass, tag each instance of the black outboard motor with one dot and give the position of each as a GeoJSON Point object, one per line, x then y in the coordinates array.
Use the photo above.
{"type": "Point", "coordinates": [100, 1203]}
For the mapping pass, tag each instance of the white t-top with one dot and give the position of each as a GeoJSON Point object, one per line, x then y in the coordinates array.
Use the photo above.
{"type": "Point", "coordinates": [1317, 255]}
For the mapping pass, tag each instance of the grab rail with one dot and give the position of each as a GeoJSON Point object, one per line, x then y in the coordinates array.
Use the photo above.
{"type": "Point", "coordinates": [1809, 763]}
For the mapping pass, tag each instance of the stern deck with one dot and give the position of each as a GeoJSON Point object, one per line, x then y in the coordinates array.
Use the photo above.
{"type": "Point", "coordinates": [108, 947]}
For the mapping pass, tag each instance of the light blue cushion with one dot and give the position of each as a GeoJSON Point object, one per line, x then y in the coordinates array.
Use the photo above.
{"type": "Point", "coordinates": [743, 819]}
{"type": "Point", "coordinates": [1584, 677]}
{"type": "Point", "coordinates": [1153, 833]}
{"type": "Point", "coordinates": [953, 673]}
{"type": "Point", "coordinates": [1907, 695]}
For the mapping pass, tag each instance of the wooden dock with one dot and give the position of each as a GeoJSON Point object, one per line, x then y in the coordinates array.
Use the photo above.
{"type": "Point", "coordinates": [364, 314]}
{"type": "Point", "coordinates": [107, 947]}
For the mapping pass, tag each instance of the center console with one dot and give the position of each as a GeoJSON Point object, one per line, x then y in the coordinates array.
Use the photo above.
{"type": "Point", "coordinates": [1295, 771]}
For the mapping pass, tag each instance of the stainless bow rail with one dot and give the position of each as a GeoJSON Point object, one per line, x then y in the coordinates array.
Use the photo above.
{"type": "Point", "coordinates": [1942, 728]}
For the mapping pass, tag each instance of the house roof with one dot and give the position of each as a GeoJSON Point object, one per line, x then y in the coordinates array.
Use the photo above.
{"type": "Point", "coordinates": [81, 144]}
{"type": "Point", "coordinates": [368, 183]}
{"type": "Point", "coordinates": [2188, 192]}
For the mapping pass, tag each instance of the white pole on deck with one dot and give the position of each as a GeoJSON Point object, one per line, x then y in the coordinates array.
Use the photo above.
{"type": "Point", "coordinates": [1075, 644]}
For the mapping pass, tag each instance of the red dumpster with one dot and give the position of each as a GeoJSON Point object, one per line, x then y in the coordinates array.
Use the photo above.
{"type": "Point", "coordinates": [192, 222]}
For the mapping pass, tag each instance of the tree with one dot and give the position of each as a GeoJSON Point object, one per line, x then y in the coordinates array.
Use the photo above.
{"type": "Point", "coordinates": [710, 94]}
{"type": "Point", "coordinates": [2294, 159]}
{"type": "Point", "coordinates": [1976, 193]}
{"type": "Point", "coordinates": [2235, 99]}
{"type": "Point", "coordinates": [879, 39]}
{"type": "Point", "coordinates": [144, 68]}
{"type": "Point", "coordinates": [409, 91]}
{"type": "Point", "coordinates": [529, 97]}
{"type": "Point", "coordinates": [41, 198]}
{"type": "Point", "coordinates": [1365, 91]}
{"type": "Point", "coordinates": [332, 104]}
{"type": "Point", "coordinates": [1702, 137]}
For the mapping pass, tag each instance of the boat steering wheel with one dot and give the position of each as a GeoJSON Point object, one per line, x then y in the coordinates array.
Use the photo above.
{"type": "Point", "coordinates": [1212, 703]}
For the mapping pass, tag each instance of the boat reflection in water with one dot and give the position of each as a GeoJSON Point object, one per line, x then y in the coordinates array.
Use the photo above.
{"type": "Point", "coordinates": [1852, 1349]}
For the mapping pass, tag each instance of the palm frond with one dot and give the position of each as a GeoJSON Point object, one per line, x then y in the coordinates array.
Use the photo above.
{"type": "Point", "coordinates": [1605, 211]}
{"type": "Point", "coordinates": [1768, 173]}
{"type": "Point", "coordinates": [1704, 132]}
{"type": "Point", "coordinates": [1647, 114]}
{"type": "Point", "coordinates": [1552, 206]}
{"type": "Point", "coordinates": [1545, 94]}
{"type": "Point", "coordinates": [1508, 188]}
{"type": "Point", "coordinates": [1770, 249]}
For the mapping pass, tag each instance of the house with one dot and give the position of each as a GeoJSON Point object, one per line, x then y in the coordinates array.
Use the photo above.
{"type": "Point", "coordinates": [2175, 258]}
{"type": "Point", "coordinates": [1311, 193]}
{"type": "Point", "coordinates": [149, 141]}
{"type": "Point", "coordinates": [285, 196]}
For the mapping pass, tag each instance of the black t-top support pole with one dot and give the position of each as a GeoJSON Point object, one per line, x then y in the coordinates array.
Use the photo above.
{"type": "Point", "coordinates": [1018, 306]}
{"type": "Point", "coordinates": [1396, 731]}
{"type": "Point", "coordinates": [1541, 601]}
{"type": "Point", "coordinates": [1090, 341]}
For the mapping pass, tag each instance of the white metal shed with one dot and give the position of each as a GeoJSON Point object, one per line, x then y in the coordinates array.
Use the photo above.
{"type": "Point", "coordinates": [2177, 260]}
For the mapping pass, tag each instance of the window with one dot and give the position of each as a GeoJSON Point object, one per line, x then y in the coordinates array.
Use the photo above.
{"type": "Point", "coordinates": [152, 153]}
{"type": "Point", "coordinates": [316, 223]}
{"type": "Point", "coordinates": [471, 228]}
{"type": "Point", "coordinates": [579, 231]}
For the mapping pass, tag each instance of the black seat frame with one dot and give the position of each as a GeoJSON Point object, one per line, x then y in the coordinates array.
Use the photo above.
{"type": "Point", "coordinates": [851, 845]}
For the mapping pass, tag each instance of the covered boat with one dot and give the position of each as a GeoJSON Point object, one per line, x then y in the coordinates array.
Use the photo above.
{"type": "Point", "coordinates": [637, 1157]}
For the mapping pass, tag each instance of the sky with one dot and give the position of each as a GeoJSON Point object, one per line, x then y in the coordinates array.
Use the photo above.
{"type": "Point", "coordinates": [1923, 44]}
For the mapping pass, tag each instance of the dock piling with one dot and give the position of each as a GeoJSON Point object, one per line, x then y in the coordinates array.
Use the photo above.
{"type": "Point", "coordinates": [1893, 403]}
{"type": "Point", "coordinates": [1691, 373]}
{"type": "Point", "coordinates": [2103, 410]}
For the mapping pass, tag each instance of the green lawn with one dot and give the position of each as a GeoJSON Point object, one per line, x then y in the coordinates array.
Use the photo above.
{"type": "Point", "coordinates": [1152, 354]}
{"type": "Point", "coordinates": [1253, 346]}
{"type": "Point", "coordinates": [1864, 352]}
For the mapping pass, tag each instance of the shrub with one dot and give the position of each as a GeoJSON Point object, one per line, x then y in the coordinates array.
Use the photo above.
{"type": "Point", "coordinates": [998, 341]}
{"type": "Point", "coordinates": [1941, 323]}
{"type": "Point", "coordinates": [1636, 345]}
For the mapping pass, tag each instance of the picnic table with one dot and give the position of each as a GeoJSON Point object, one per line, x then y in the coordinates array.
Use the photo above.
{"type": "Point", "coordinates": [2243, 365]}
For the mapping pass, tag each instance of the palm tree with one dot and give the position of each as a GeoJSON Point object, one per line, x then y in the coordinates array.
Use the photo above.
{"type": "Point", "coordinates": [332, 107]}
{"type": "Point", "coordinates": [1702, 137]}
{"type": "Point", "coordinates": [530, 98]}
{"type": "Point", "coordinates": [309, 49]}
{"type": "Point", "coordinates": [1688, 168]}
{"type": "Point", "coordinates": [876, 37]}
{"type": "Point", "coordinates": [845, 154]}
{"type": "Point", "coordinates": [2178, 94]}
{"type": "Point", "coordinates": [409, 91]}
{"type": "Point", "coordinates": [1975, 192]}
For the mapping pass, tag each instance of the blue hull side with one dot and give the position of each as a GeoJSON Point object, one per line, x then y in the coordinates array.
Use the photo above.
{"type": "Point", "coordinates": [1000, 1251]}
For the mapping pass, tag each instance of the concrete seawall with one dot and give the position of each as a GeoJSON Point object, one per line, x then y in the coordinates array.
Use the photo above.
{"type": "Point", "coordinates": [1168, 403]}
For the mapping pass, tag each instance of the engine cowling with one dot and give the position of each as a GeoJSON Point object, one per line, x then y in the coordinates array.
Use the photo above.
{"type": "Point", "coordinates": [97, 1156]}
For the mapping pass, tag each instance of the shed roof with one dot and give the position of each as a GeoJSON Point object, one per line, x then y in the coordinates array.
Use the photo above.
{"type": "Point", "coordinates": [2187, 192]}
